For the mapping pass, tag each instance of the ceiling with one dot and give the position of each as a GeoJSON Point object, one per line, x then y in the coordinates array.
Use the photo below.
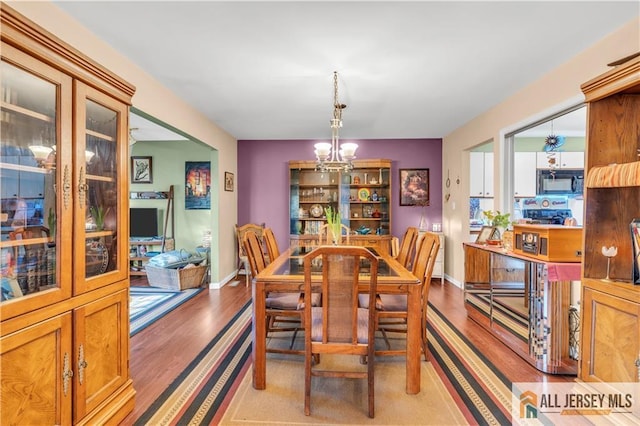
{"type": "Point", "coordinates": [419, 69]}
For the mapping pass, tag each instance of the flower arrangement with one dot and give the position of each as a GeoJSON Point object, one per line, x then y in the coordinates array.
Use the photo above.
{"type": "Point", "coordinates": [333, 220]}
{"type": "Point", "coordinates": [495, 218]}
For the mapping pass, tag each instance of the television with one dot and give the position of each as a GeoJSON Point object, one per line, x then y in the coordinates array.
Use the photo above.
{"type": "Point", "coordinates": [143, 222]}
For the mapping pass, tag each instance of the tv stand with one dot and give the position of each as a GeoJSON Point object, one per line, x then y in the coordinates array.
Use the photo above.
{"type": "Point", "coordinates": [141, 248]}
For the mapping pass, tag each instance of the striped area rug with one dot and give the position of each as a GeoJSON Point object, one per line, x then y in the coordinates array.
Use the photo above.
{"type": "Point", "coordinates": [483, 392]}
{"type": "Point", "coordinates": [149, 304]}
{"type": "Point", "coordinates": [201, 394]}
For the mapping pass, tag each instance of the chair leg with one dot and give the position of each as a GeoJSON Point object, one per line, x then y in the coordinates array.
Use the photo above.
{"type": "Point", "coordinates": [307, 385]}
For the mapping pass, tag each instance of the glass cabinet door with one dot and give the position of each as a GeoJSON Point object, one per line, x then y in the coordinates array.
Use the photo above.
{"type": "Point", "coordinates": [34, 184]}
{"type": "Point", "coordinates": [101, 129]}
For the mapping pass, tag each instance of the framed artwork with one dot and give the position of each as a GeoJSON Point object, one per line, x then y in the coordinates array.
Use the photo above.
{"type": "Point", "coordinates": [141, 170]}
{"type": "Point", "coordinates": [485, 234]}
{"type": "Point", "coordinates": [414, 187]}
{"type": "Point", "coordinates": [228, 181]}
{"type": "Point", "coordinates": [197, 185]}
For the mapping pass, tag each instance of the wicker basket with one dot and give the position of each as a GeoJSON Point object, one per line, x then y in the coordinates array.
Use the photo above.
{"type": "Point", "coordinates": [175, 279]}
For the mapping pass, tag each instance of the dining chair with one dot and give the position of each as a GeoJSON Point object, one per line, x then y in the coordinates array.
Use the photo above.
{"type": "Point", "coordinates": [407, 246]}
{"type": "Point", "coordinates": [272, 244]}
{"type": "Point", "coordinates": [393, 308]}
{"type": "Point", "coordinates": [283, 310]}
{"type": "Point", "coordinates": [242, 256]}
{"type": "Point", "coordinates": [339, 326]}
{"type": "Point", "coordinates": [325, 236]}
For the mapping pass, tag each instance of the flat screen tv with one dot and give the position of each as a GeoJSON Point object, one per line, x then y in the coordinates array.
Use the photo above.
{"type": "Point", "coordinates": [143, 222]}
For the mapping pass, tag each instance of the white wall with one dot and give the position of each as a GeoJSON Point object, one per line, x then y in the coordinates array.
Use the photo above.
{"type": "Point", "coordinates": [156, 100]}
{"type": "Point", "coordinates": [550, 94]}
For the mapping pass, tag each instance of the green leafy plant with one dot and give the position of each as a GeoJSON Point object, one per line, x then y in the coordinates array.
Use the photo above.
{"type": "Point", "coordinates": [333, 220]}
{"type": "Point", "coordinates": [495, 218]}
{"type": "Point", "coordinates": [98, 214]}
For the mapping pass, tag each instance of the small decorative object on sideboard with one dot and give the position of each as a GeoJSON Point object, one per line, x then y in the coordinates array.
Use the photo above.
{"type": "Point", "coordinates": [609, 253]}
{"type": "Point", "coordinates": [635, 237]}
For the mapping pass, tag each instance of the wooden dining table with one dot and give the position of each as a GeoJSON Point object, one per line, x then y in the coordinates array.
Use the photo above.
{"type": "Point", "coordinates": [286, 274]}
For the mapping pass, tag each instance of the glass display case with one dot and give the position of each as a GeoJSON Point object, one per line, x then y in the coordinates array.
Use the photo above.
{"type": "Point", "coordinates": [64, 312]}
{"type": "Point", "coordinates": [362, 197]}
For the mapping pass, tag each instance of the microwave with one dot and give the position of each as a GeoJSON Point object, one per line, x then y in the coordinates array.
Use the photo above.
{"type": "Point", "coordinates": [560, 182]}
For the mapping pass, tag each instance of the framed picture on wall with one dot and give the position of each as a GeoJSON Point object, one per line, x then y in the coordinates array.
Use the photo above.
{"type": "Point", "coordinates": [228, 181]}
{"type": "Point", "coordinates": [141, 170]}
{"type": "Point", "coordinates": [414, 187]}
{"type": "Point", "coordinates": [197, 185]}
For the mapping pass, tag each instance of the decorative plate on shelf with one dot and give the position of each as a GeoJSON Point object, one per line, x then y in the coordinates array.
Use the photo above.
{"type": "Point", "coordinates": [363, 194]}
{"type": "Point", "coordinates": [316, 210]}
{"type": "Point", "coordinates": [97, 258]}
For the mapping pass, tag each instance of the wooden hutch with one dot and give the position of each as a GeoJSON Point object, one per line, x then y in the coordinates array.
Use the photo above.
{"type": "Point", "coordinates": [64, 356]}
{"type": "Point", "coordinates": [610, 343]}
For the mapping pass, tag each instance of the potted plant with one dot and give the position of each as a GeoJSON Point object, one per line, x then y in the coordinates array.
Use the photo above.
{"type": "Point", "coordinates": [499, 220]}
{"type": "Point", "coordinates": [98, 214]}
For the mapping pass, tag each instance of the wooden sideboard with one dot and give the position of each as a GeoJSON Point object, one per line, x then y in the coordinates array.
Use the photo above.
{"type": "Point", "coordinates": [525, 303]}
{"type": "Point", "coordinates": [382, 243]}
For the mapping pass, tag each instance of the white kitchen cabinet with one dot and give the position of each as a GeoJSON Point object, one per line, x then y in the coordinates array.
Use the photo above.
{"type": "Point", "coordinates": [524, 174]}
{"type": "Point", "coordinates": [564, 160]}
{"type": "Point", "coordinates": [481, 174]}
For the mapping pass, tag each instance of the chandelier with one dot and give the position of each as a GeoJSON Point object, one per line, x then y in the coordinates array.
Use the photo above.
{"type": "Point", "coordinates": [334, 157]}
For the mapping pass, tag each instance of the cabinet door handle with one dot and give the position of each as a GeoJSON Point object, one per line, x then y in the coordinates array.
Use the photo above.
{"type": "Point", "coordinates": [66, 187]}
{"type": "Point", "coordinates": [83, 188]}
{"type": "Point", "coordinates": [67, 374]}
{"type": "Point", "coordinates": [82, 364]}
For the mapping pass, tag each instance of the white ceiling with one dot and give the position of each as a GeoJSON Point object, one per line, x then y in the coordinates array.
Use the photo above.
{"type": "Point", "coordinates": [420, 69]}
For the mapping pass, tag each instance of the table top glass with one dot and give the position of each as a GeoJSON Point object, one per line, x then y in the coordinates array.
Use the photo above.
{"type": "Point", "coordinates": [295, 266]}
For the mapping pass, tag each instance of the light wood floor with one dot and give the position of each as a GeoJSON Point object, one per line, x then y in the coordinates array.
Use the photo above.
{"type": "Point", "coordinates": [160, 352]}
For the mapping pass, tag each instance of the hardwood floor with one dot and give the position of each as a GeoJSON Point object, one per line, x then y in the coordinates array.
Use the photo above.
{"type": "Point", "coordinates": [160, 352]}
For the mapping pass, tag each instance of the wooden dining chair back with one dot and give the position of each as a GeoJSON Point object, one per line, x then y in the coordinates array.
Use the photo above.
{"type": "Point", "coordinates": [253, 251]}
{"type": "Point", "coordinates": [339, 326]}
{"type": "Point", "coordinates": [407, 246]}
{"type": "Point", "coordinates": [242, 256]}
{"type": "Point", "coordinates": [393, 308]}
{"type": "Point", "coordinates": [283, 310]}
{"type": "Point", "coordinates": [272, 245]}
{"type": "Point", "coordinates": [325, 235]}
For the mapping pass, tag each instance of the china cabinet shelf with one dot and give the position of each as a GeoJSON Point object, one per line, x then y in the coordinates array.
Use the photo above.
{"type": "Point", "coordinates": [610, 319]}
{"type": "Point", "coordinates": [24, 168]}
{"type": "Point", "coordinates": [24, 111]}
{"type": "Point", "coordinates": [64, 283]}
{"type": "Point", "coordinates": [339, 191]}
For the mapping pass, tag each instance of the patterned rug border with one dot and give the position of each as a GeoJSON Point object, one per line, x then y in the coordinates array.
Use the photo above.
{"type": "Point", "coordinates": [203, 387]}
{"type": "Point", "coordinates": [482, 390]}
{"type": "Point", "coordinates": [202, 392]}
{"type": "Point", "coordinates": [142, 320]}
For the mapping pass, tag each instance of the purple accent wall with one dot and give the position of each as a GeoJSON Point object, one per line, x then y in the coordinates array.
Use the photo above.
{"type": "Point", "coordinates": [263, 179]}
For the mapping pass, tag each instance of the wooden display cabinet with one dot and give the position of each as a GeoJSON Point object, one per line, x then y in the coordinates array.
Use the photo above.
{"type": "Point", "coordinates": [65, 307]}
{"type": "Point", "coordinates": [363, 196]}
{"type": "Point", "coordinates": [610, 323]}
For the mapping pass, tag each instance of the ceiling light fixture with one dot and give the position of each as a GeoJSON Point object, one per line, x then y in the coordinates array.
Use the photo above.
{"type": "Point", "coordinates": [333, 157]}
